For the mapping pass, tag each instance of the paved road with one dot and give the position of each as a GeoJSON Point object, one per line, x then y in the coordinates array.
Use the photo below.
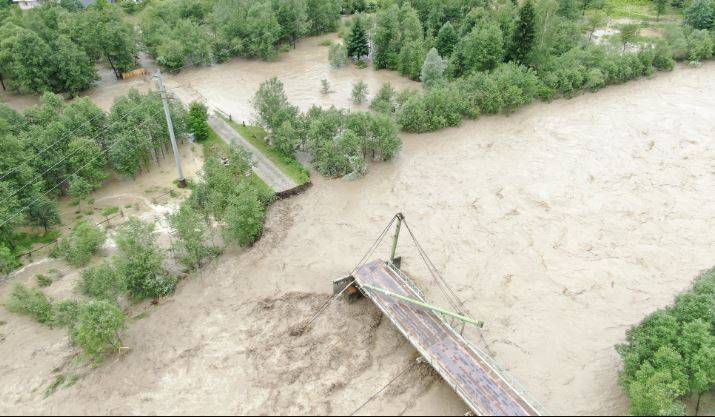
{"type": "Point", "coordinates": [480, 384]}
{"type": "Point", "coordinates": [263, 167]}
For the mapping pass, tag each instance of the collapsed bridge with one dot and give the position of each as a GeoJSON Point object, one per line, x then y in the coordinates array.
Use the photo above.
{"type": "Point", "coordinates": [435, 333]}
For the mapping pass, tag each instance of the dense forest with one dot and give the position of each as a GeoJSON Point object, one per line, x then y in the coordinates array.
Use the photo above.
{"type": "Point", "coordinates": [476, 57]}
{"type": "Point", "coordinates": [56, 47]}
{"type": "Point", "coordinates": [184, 32]}
{"type": "Point", "coordinates": [56, 149]}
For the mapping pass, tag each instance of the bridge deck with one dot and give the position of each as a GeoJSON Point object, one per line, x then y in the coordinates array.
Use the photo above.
{"type": "Point", "coordinates": [480, 384]}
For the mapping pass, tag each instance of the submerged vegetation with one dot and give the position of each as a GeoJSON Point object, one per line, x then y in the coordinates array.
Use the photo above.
{"type": "Point", "coordinates": [482, 58]}
{"type": "Point", "coordinates": [671, 353]}
{"type": "Point", "coordinates": [339, 141]}
{"type": "Point", "coordinates": [57, 148]}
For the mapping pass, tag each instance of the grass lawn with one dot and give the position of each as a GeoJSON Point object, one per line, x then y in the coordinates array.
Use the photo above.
{"type": "Point", "coordinates": [289, 165]}
{"type": "Point", "coordinates": [640, 10]}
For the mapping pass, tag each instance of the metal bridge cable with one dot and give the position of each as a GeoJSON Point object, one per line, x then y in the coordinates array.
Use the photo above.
{"type": "Point", "coordinates": [452, 297]}
{"type": "Point", "coordinates": [39, 176]}
{"type": "Point", "coordinates": [375, 395]}
{"type": "Point", "coordinates": [425, 259]}
{"type": "Point", "coordinates": [374, 245]}
{"type": "Point", "coordinates": [333, 298]}
{"type": "Point", "coordinates": [60, 183]}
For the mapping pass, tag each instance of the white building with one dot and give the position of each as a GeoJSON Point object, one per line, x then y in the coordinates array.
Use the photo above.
{"type": "Point", "coordinates": [26, 4]}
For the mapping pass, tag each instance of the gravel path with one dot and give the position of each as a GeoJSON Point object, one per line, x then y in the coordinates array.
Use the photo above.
{"type": "Point", "coordinates": [264, 167]}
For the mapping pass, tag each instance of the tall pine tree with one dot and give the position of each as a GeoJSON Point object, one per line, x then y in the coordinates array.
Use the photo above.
{"type": "Point", "coordinates": [523, 39]}
{"type": "Point", "coordinates": [356, 41]}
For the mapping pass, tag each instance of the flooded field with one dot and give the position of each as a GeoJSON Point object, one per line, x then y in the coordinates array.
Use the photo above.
{"type": "Point", "coordinates": [560, 226]}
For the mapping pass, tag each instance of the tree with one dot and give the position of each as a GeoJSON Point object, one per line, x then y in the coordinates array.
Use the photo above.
{"type": "Point", "coordinates": [271, 104]}
{"type": "Point", "coordinates": [386, 41]}
{"type": "Point", "coordinates": [523, 38]}
{"type": "Point", "coordinates": [660, 7]}
{"type": "Point", "coordinates": [701, 14]}
{"type": "Point", "coordinates": [42, 211]}
{"type": "Point", "coordinates": [594, 21]}
{"type": "Point", "coordinates": [190, 230]}
{"type": "Point", "coordinates": [244, 218]}
{"type": "Point", "coordinates": [324, 86]}
{"type": "Point", "coordinates": [433, 69]}
{"type": "Point", "coordinates": [293, 18]}
{"type": "Point", "coordinates": [337, 55]}
{"type": "Point", "coordinates": [139, 261]}
{"type": "Point", "coordinates": [447, 40]}
{"type": "Point", "coordinates": [323, 15]}
{"type": "Point", "coordinates": [79, 189]}
{"type": "Point", "coordinates": [412, 53]}
{"type": "Point", "coordinates": [197, 120]}
{"type": "Point", "coordinates": [357, 42]}
{"type": "Point", "coordinates": [97, 330]}
{"type": "Point", "coordinates": [73, 71]}
{"type": "Point", "coordinates": [629, 34]}
{"type": "Point", "coordinates": [359, 93]}
{"type": "Point", "coordinates": [482, 49]}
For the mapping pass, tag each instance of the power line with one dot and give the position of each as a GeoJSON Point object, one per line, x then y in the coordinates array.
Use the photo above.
{"type": "Point", "coordinates": [61, 182]}
{"type": "Point", "coordinates": [39, 176]}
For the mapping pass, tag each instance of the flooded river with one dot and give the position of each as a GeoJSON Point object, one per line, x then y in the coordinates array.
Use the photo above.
{"type": "Point", "coordinates": [560, 226]}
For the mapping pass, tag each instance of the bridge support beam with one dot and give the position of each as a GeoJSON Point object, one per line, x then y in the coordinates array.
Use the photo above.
{"type": "Point", "coordinates": [393, 258]}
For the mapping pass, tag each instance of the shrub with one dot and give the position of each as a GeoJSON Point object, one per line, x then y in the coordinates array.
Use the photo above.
{"type": "Point", "coordinates": [700, 45]}
{"type": "Point", "coordinates": [43, 280]}
{"type": "Point", "coordinates": [97, 329]}
{"type": "Point", "coordinates": [66, 313]}
{"type": "Point", "coordinates": [82, 243]}
{"type": "Point", "coordinates": [101, 282]}
{"type": "Point", "coordinates": [33, 303]}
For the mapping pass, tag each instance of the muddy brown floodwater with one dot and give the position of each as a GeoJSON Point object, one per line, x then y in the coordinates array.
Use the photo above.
{"type": "Point", "coordinates": [560, 226]}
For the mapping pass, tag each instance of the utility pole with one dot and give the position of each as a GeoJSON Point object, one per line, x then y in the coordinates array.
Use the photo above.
{"type": "Point", "coordinates": [170, 125]}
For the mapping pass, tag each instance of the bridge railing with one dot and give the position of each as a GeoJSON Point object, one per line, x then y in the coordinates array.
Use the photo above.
{"type": "Point", "coordinates": [486, 357]}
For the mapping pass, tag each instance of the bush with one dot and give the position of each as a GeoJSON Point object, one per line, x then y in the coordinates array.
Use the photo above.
{"type": "Point", "coordinates": [43, 280]}
{"type": "Point", "coordinates": [97, 329]}
{"type": "Point", "coordinates": [33, 303]}
{"type": "Point", "coordinates": [197, 121]}
{"type": "Point", "coordinates": [82, 243]}
{"type": "Point", "coordinates": [66, 313]}
{"type": "Point", "coordinates": [101, 282]}
{"type": "Point", "coordinates": [700, 45]}
{"type": "Point", "coordinates": [139, 259]}
{"type": "Point", "coordinates": [8, 260]}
